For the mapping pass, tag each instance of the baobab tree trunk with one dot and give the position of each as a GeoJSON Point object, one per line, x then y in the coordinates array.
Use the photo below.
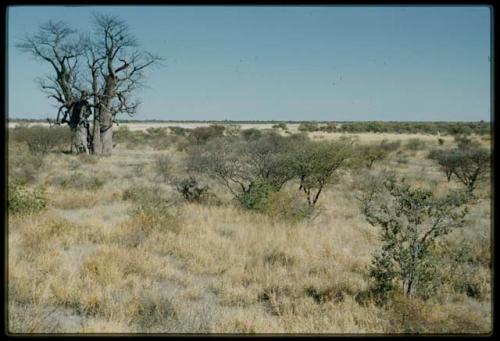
{"type": "Point", "coordinates": [106, 115]}
{"type": "Point", "coordinates": [79, 139]}
{"type": "Point", "coordinates": [107, 141]}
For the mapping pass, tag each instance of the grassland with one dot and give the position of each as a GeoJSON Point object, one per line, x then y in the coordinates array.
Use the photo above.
{"type": "Point", "coordinates": [91, 262]}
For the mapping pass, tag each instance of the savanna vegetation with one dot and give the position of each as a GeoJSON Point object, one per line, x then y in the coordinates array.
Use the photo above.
{"type": "Point", "coordinates": [228, 229]}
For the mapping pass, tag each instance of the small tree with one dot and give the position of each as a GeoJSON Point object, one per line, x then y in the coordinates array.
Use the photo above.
{"type": "Point", "coordinates": [371, 153]}
{"type": "Point", "coordinates": [315, 163]}
{"type": "Point", "coordinates": [244, 167]}
{"type": "Point", "coordinates": [446, 160]}
{"type": "Point", "coordinates": [411, 220]}
{"type": "Point", "coordinates": [471, 166]}
{"type": "Point", "coordinates": [469, 163]}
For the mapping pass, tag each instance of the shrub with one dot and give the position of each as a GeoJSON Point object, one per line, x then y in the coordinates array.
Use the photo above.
{"type": "Point", "coordinates": [191, 190]}
{"type": "Point", "coordinates": [468, 163]}
{"type": "Point", "coordinates": [201, 135]}
{"type": "Point", "coordinates": [280, 125]}
{"type": "Point", "coordinates": [329, 128]}
{"type": "Point", "coordinates": [440, 141]}
{"type": "Point", "coordinates": [411, 221]}
{"type": "Point", "coordinates": [287, 207]}
{"type": "Point", "coordinates": [153, 209]}
{"type": "Point", "coordinates": [471, 166]}
{"type": "Point", "coordinates": [316, 163]}
{"type": "Point", "coordinates": [179, 131]}
{"type": "Point", "coordinates": [79, 180]}
{"type": "Point", "coordinates": [390, 146]}
{"type": "Point", "coordinates": [251, 134]}
{"type": "Point", "coordinates": [445, 160]}
{"type": "Point", "coordinates": [371, 153]}
{"type": "Point", "coordinates": [41, 140]}
{"type": "Point", "coordinates": [24, 166]}
{"type": "Point", "coordinates": [24, 200]}
{"type": "Point", "coordinates": [256, 196]}
{"type": "Point", "coordinates": [163, 167]}
{"type": "Point", "coordinates": [415, 144]}
{"type": "Point", "coordinates": [242, 166]}
{"type": "Point", "coordinates": [308, 127]}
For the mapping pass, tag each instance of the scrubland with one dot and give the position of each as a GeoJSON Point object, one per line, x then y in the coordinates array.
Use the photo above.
{"type": "Point", "coordinates": [116, 249]}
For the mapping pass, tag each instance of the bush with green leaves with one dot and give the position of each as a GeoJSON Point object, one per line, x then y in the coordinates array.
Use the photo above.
{"type": "Point", "coordinates": [256, 196]}
{"type": "Point", "coordinates": [201, 135]}
{"type": "Point", "coordinates": [288, 207]}
{"type": "Point", "coordinates": [469, 163]}
{"type": "Point", "coordinates": [445, 159]}
{"type": "Point", "coordinates": [308, 127]}
{"type": "Point", "coordinates": [242, 166]}
{"type": "Point", "coordinates": [251, 134]}
{"type": "Point", "coordinates": [191, 190]}
{"type": "Point", "coordinates": [280, 125]}
{"type": "Point", "coordinates": [371, 153]}
{"type": "Point", "coordinates": [315, 163]}
{"type": "Point", "coordinates": [411, 221]}
{"type": "Point", "coordinates": [41, 140]}
{"type": "Point", "coordinates": [25, 200]}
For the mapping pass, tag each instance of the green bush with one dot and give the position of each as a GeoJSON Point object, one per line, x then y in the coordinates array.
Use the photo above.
{"type": "Point", "coordinates": [251, 134]}
{"type": "Point", "coordinates": [280, 126]}
{"type": "Point", "coordinates": [256, 196]}
{"type": "Point", "coordinates": [201, 135]}
{"type": "Point", "coordinates": [192, 191]}
{"type": "Point", "coordinates": [24, 200]}
{"type": "Point", "coordinates": [308, 127]}
{"type": "Point", "coordinates": [411, 221]}
{"type": "Point", "coordinates": [285, 206]}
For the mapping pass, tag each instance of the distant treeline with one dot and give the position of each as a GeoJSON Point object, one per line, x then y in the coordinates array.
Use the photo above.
{"type": "Point", "coordinates": [401, 127]}
{"type": "Point", "coordinates": [445, 128]}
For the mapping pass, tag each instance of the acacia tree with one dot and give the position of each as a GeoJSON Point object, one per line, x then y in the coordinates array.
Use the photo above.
{"type": "Point", "coordinates": [411, 220]}
{"type": "Point", "coordinates": [113, 70]}
{"type": "Point", "coordinates": [315, 164]}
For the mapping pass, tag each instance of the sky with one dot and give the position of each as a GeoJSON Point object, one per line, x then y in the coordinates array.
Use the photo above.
{"type": "Point", "coordinates": [299, 63]}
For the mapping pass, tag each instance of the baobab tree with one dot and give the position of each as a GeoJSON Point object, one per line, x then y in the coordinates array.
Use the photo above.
{"type": "Point", "coordinates": [57, 44]}
{"type": "Point", "coordinates": [113, 69]}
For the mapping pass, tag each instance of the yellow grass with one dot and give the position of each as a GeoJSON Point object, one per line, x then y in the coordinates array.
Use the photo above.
{"type": "Point", "coordinates": [89, 264]}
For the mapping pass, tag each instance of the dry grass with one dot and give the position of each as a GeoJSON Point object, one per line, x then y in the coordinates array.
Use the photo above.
{"type": "Point", "coordinates": [89, 264]}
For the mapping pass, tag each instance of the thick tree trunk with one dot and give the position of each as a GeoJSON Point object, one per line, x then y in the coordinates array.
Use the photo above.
{"type": "Point", "coordinates": [107, 141]}
{"type": "Point", "coordinates": [106, 117]}
{"type": "Point", "coordinates": [97, 136]}
{"type": "Point", "coordinates": [79, 140]}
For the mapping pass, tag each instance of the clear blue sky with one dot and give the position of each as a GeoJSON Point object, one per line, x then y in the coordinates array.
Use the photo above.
{"type": "Point", "coordinates": [287, 63]}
